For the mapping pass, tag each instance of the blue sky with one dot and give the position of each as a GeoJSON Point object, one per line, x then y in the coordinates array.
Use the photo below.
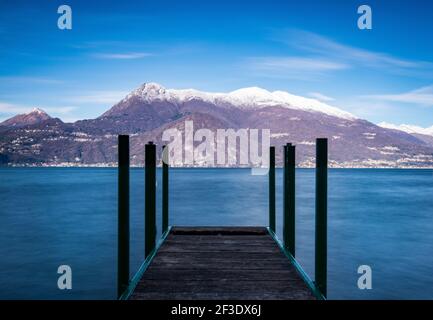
{"type": "Point", "coordinates": [310, 47]}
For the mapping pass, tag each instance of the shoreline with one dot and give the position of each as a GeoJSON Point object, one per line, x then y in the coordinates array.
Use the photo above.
{"type": "Point", "coordinates": [113, 166]}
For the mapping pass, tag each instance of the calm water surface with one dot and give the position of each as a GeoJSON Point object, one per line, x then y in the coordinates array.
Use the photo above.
{"type": "Point", "coordinates": [55, 216]}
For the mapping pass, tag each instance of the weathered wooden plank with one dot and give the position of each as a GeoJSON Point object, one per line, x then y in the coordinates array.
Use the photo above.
{"type": "Point", "coordinates": [210, 257]}
{"type": "Point", "coordinates": [220, 296]}
{"type": "Point", "coordinates": [236, 265]}
{"type": "Point", "coordinates": [222, 285]}
{"type": "Point", "coordinates": [227, 238]}
{"type": "Point", "coordinates": [215, 248]}
{"type": "Point", "coordinates": [219, 231]}
{"type": "Point", "coordinates": [224, 238]}
{"type": "Point", "coordinates": [221, 263]}
{"type": "Point", "coordinates": [217, 274]}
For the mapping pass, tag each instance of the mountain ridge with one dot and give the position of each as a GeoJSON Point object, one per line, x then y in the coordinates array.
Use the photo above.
{"type": "Point", "coordinates": [408, 128]}
{"type": "Point", "coordinates": [241, 98]}
{"type": "Point", "coordinates": [34, 116]}
{"type": "Point", "coordinates": [150, 109]}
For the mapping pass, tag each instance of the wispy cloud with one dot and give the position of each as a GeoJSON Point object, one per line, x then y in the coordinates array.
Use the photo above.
{"type": "Point", "coordinates": [291, 63]}
{"type": "Point", "coordinates": [29, 80]}
{"type": "Point", "coordinates": [98, 97]}
{"type": "Point", "coordinates": [321, 96]}
{"type": "Point", "coordinates": [102, 45]}
{"type": "Point", "coordinates": [13, 109]}
{"type": "Point", "coordinates": [69, 104]}
{"type": "Point", "coordinates": [422, 96]}
{"type": "Point", "coordinates": [321, 45]}
{"type": "Point", "coordinates": [122, 56]}
{"type": "Point", "coordinates": [10, 108]}
{"type": "Point", "coordinates": [294, 67]}
{"type": "Point", "coordinates": [112, 49]}
{"type": "Point", "coordinates": [325, 48]}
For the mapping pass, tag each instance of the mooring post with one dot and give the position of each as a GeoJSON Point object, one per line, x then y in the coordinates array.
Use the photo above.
{"type": "Point", "coordinates": [272, 189]}
{"type": "Point", "coordinates": [285, 189]}
{"type": "Point", "coordinates": [290, 225]}
{"type": "Point", "coordinates": [123, 215]}
{"type": "Point", "coordinates": [164, 189]}
{"type": "Point", "coordinates": [321, 214]}
{"type": "Point", "coordinates": [150, 198]}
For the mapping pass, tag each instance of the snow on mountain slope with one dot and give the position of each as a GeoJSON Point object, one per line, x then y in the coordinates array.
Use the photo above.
{"type": "Point", "coordinates": [34, 116]}
{"type": "Point", "coordinates": [408, 128]}
{"type": "Point", "coordinates": [252, 97]}
{"type": "Point", "coordinates": [149, 110]}
{"type": "Point", "coordinates": [311, 104]}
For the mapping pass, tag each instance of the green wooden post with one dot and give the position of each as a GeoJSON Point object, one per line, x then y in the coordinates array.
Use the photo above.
{"type": "Point", "coordinates": [285, 197]}
{"type": "Point", "coordinates": [321, 214]}
{"type": "Point", "coordinates": [272, 188]}
{"type": "Point", "coordinates": [123, 215]}
{"type": "Point", "coordinates": [164, 189]}
{"type": "Point", "coordinates": [150, 198]}
{"type": "Point", "coordinates": [290, 230]}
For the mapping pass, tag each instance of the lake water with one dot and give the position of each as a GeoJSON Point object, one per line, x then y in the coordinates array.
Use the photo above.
{"type": "Point", "coordinates": [55, 216]}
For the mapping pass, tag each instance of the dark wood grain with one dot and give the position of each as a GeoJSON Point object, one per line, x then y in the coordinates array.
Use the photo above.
{"type": "Point", "coordinates": [233, 263]}
{"type": "Point", "coordinates": [219, 231]}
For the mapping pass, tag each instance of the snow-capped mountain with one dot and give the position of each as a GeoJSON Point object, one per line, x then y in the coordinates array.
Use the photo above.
{"type": "Point", "coordinates": [149, 110]}
{"type": "Point", "coordinates": [252, 97]}
{"type": "Point", "coordinates": [423, 134]}
{"type": "Point", "coordinates": [408, 128]}
{"type": "Point", "coordinates": [34, 116]}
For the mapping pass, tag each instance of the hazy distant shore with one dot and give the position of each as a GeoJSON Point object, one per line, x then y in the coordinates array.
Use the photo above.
{"type": "Point", "coordinates": [114, 165]}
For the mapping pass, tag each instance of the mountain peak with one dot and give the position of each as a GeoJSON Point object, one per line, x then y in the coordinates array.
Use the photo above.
{"type": "Point", "coordinates": [37, 111]}
{"type": "Point", "coordinates": [148, 91]}
{"type": "Point", "coordinates": [36, 115]}
{"type": "Point", "coordinates": [150, 88]}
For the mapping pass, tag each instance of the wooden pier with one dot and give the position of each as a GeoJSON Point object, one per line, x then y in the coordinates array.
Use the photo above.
{"type": "Point", "coordinates": [220, 263]}
{"type": "Point", "coordinates": [224, 263]}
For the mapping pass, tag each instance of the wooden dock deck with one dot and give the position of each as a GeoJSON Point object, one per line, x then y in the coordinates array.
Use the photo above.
{"type": "Point", "coordinates": [236, 263]}
{"type": "Point", "coordinates": [224, 263]}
